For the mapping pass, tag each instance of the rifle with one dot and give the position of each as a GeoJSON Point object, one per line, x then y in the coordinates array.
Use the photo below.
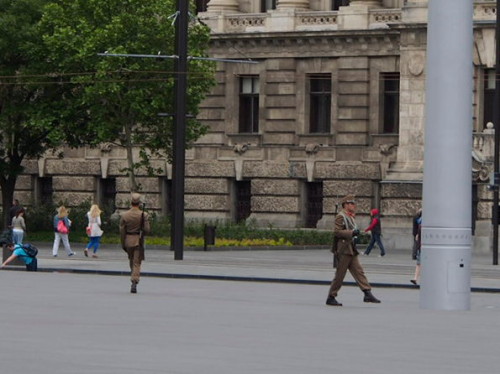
{"type": "Point", "coordinates": [141, 230]}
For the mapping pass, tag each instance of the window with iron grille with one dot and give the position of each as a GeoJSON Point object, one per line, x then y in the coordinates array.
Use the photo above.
{"type": "Point", "coordinates": [249, 105]}
{"type": "Point", "coordinates": [390, 103]}
{"type": "Point", "coordinates": [488, 95]}
{"type": "Point", "coordinates": [108, 194]}
{"type": "Point", "coordinates": [320, 103]}
{"type": "Point", "coordinates": [243, 200]}
{"type": "Point", "coordinates": [266, 5]}
{"type": "Point", "coordinates": [314, 203]}
{"type": "Point", "coordinates": [45, 190]}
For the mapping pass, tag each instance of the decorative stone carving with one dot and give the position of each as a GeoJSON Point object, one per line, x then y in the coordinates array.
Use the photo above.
{"type": "Point", "coordinates": [312, 149]}
{"type": "Point", "coordinates": [240, 148]}
{"type": "Point", "coordinates": [416, 64]}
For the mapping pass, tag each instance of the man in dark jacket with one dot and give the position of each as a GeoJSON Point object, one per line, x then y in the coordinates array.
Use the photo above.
{"type": "Point", "coordinates": [344, 248]}
{"type": "Point", "coordinates": [376, 230]}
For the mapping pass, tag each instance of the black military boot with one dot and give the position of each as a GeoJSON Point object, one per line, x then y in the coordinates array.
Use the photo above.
{"type": "Point", "coordinates": [369, 298]}
{"type": "Point", "coordinates": [332, 301]}
{"type": "Point", "coordinates": [133, 287]}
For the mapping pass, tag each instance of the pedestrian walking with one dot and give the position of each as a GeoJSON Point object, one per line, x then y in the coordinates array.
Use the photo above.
{"type": "Point", "coordinates": [18, 251]}
{"type": "Point", "coordinates": [344, 248]}
{"type": "Point", "coordinates": [418, 245]}
{"type": "Point", "coordinates": [62, 225]}
{"type": "Point", "coordinates": [16, 206]}
{"type": "Point", "coordinates": [376, 233]}
{"type": "Point", "coordinates": [18, 227]}
{"type": "Point", "coordinates": [93, 230]}
{"type": "Point", "coordinates": [134, 225]}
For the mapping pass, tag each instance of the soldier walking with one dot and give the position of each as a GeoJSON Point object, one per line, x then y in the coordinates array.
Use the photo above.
{"type": "Point", "coordinates": [134, 225]}
{"type": "Point", "coordinates": [344, 248]}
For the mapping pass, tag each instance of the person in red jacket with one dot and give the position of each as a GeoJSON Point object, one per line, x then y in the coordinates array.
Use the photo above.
{"type": "Point", "coordinates": [376, 230]}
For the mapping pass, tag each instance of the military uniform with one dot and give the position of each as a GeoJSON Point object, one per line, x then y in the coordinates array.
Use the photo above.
{"type": "Point", "coordinates": [131, 240]}
{"type": "Point", "coordinates": [345, 250]}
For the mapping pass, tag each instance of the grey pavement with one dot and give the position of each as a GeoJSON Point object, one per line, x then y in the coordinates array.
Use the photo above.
{"type": "Point", "coordinates": [307, 266]}
{"type": "Point", "coordinates": [67, 323]}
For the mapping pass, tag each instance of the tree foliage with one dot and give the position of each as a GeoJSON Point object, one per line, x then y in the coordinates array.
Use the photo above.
{"type": "Point", "coordinates": [120, 97]}
{"type": "Point", "coordinates": [31, 100]}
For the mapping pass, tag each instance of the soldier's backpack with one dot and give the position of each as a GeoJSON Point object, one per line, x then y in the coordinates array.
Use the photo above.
{"type": "Point", "coordinates": [30, 249]}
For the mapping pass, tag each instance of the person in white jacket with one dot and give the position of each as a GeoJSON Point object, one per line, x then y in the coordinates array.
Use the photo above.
{"type": "Point", "coordinates": [93, 230]}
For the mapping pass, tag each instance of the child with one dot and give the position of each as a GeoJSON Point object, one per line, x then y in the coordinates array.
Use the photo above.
{"type": "Point", "coordinates": [18, 251]}
{"type": "Point", "coordinates": [376, 229]}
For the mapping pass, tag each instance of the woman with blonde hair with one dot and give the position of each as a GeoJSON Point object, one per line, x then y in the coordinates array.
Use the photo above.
{"type": "Point", "coordinates": [93, 230]}
{"type": "Point", "coordinates": [61, 230]}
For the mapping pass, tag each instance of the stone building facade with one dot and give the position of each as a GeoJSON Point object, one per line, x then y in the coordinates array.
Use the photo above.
{"type": "Point", "coordinates": [335, 105]}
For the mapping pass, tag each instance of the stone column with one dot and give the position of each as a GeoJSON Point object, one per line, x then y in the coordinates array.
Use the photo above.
{"type": "Point", "coordinates": [414, 11]}
{"type": "Point", "coordinates": [224, 6]}
{"type": "Point", "coordinates": [410, 154]}
{"type": "Point", "coordinates": [356, 16]}
{"type": "Point", "coordinates": [366, 3]}
{"type": "Point", "coordinates": [447, 190]}
{"type": "Point", "coordinates": [293, 4]}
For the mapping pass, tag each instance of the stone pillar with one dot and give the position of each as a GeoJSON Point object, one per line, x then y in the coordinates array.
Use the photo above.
{"type": "Point", "coordinates": [367, 3]}
{"type": "Point", "coordinates": [293, 4]}
{"type": "Point", "coordinates": [414, 11]}
{"type": "Point", "coordinates": [410, 154]}
{"type": "Point", "coordinates": [223, 6]}
{"type": "Point", "coordinates": [447, 190]}
{"type": "Point", "coordinates": [356, 16]}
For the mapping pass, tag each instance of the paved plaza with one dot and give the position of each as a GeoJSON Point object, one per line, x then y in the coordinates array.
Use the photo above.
{"type": "Point", "coordinates": [60, 321]}
{"type": "Point", "coordinates": [64, 323]}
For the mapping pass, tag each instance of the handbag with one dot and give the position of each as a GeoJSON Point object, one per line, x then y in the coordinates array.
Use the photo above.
{"type": "Point", "coordinates": [61, 227]}
{"type": "Point", "coordinates": [88, 229]}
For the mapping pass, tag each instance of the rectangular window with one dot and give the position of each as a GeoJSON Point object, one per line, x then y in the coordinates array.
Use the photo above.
{"type": "Point", "coordinates": [45, 190]}
{"type": "Point", "coordinates": [166, 196]}
{"type": "Point", "coordinates": [320, 96]}
{"type": "Point", "coordinates": [249, 105]}
{"type": "Point", "coordinates": [390, 103]}
{"type": "Point", "coordinates": [338, 3]}
{"type": "Point", "coordinates": [314, 203]}
{"type": "Point", "coordinates": [243, 200]}
{"type": "Point", "coordinates": [107, 194]}
{"type": "Point", "coordinates": [266, 5]}
{"type": "Point", "coordinates": [488, 95]}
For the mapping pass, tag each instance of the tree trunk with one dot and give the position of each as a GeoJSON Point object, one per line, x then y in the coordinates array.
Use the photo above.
{"type": "Point", "coordinates": [8, 186]}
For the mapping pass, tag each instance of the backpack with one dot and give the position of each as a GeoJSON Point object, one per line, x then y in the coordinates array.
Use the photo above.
{"type": "Point", "coordinates": [30, 249]}
{"type": "Point", "coordinates": [61, 227]}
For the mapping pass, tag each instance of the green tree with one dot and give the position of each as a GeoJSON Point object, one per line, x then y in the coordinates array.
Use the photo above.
{"type": "Point", "coordinates": [122, 96]}
{"type": "Point", "coordinates": [32, 101]}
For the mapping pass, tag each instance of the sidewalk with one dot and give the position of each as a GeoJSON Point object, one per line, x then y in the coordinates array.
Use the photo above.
{"type": "Point", "coordinates": [306, 266]}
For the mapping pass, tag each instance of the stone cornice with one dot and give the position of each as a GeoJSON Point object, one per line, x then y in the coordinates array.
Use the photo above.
{"type": "Point", "coordinates": [307, 44]}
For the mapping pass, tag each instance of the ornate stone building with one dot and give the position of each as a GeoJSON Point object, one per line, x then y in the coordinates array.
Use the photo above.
{"type": "Point", "coordinates": [335, 105]}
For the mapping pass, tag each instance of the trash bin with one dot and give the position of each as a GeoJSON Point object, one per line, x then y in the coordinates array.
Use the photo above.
{"type": "Point", "coordinates": [208, 236]}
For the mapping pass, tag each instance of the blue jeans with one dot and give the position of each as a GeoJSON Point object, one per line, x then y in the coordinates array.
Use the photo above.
{"type": "Point", "coordinates": [376, 238]}
{"type": "Point", "coordinates": [17, 236]}
{"type": "Point", "coordinates": [94, 242]}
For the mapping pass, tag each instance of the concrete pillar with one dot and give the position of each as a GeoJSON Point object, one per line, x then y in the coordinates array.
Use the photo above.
{"type": "Point", "coordinates": [447, 192]}
{"type": "Point", "coordinates": [224, 6]}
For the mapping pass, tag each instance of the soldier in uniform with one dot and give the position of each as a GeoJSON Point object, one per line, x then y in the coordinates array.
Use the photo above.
{"type": "Point", "coordinates": [134, 224]}
{"type": "Point", "coordinates": [344, 249]}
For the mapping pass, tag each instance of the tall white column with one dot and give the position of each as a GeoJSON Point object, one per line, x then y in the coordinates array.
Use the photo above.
{"type": "Point", "coordinates": [368, 3]}
{"type": "Point", "coordinates": [446, 232]}
{"type": "Point", "coordinates": [293, 4]}
{"type": "Point", "coordinates": [224, 6]}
